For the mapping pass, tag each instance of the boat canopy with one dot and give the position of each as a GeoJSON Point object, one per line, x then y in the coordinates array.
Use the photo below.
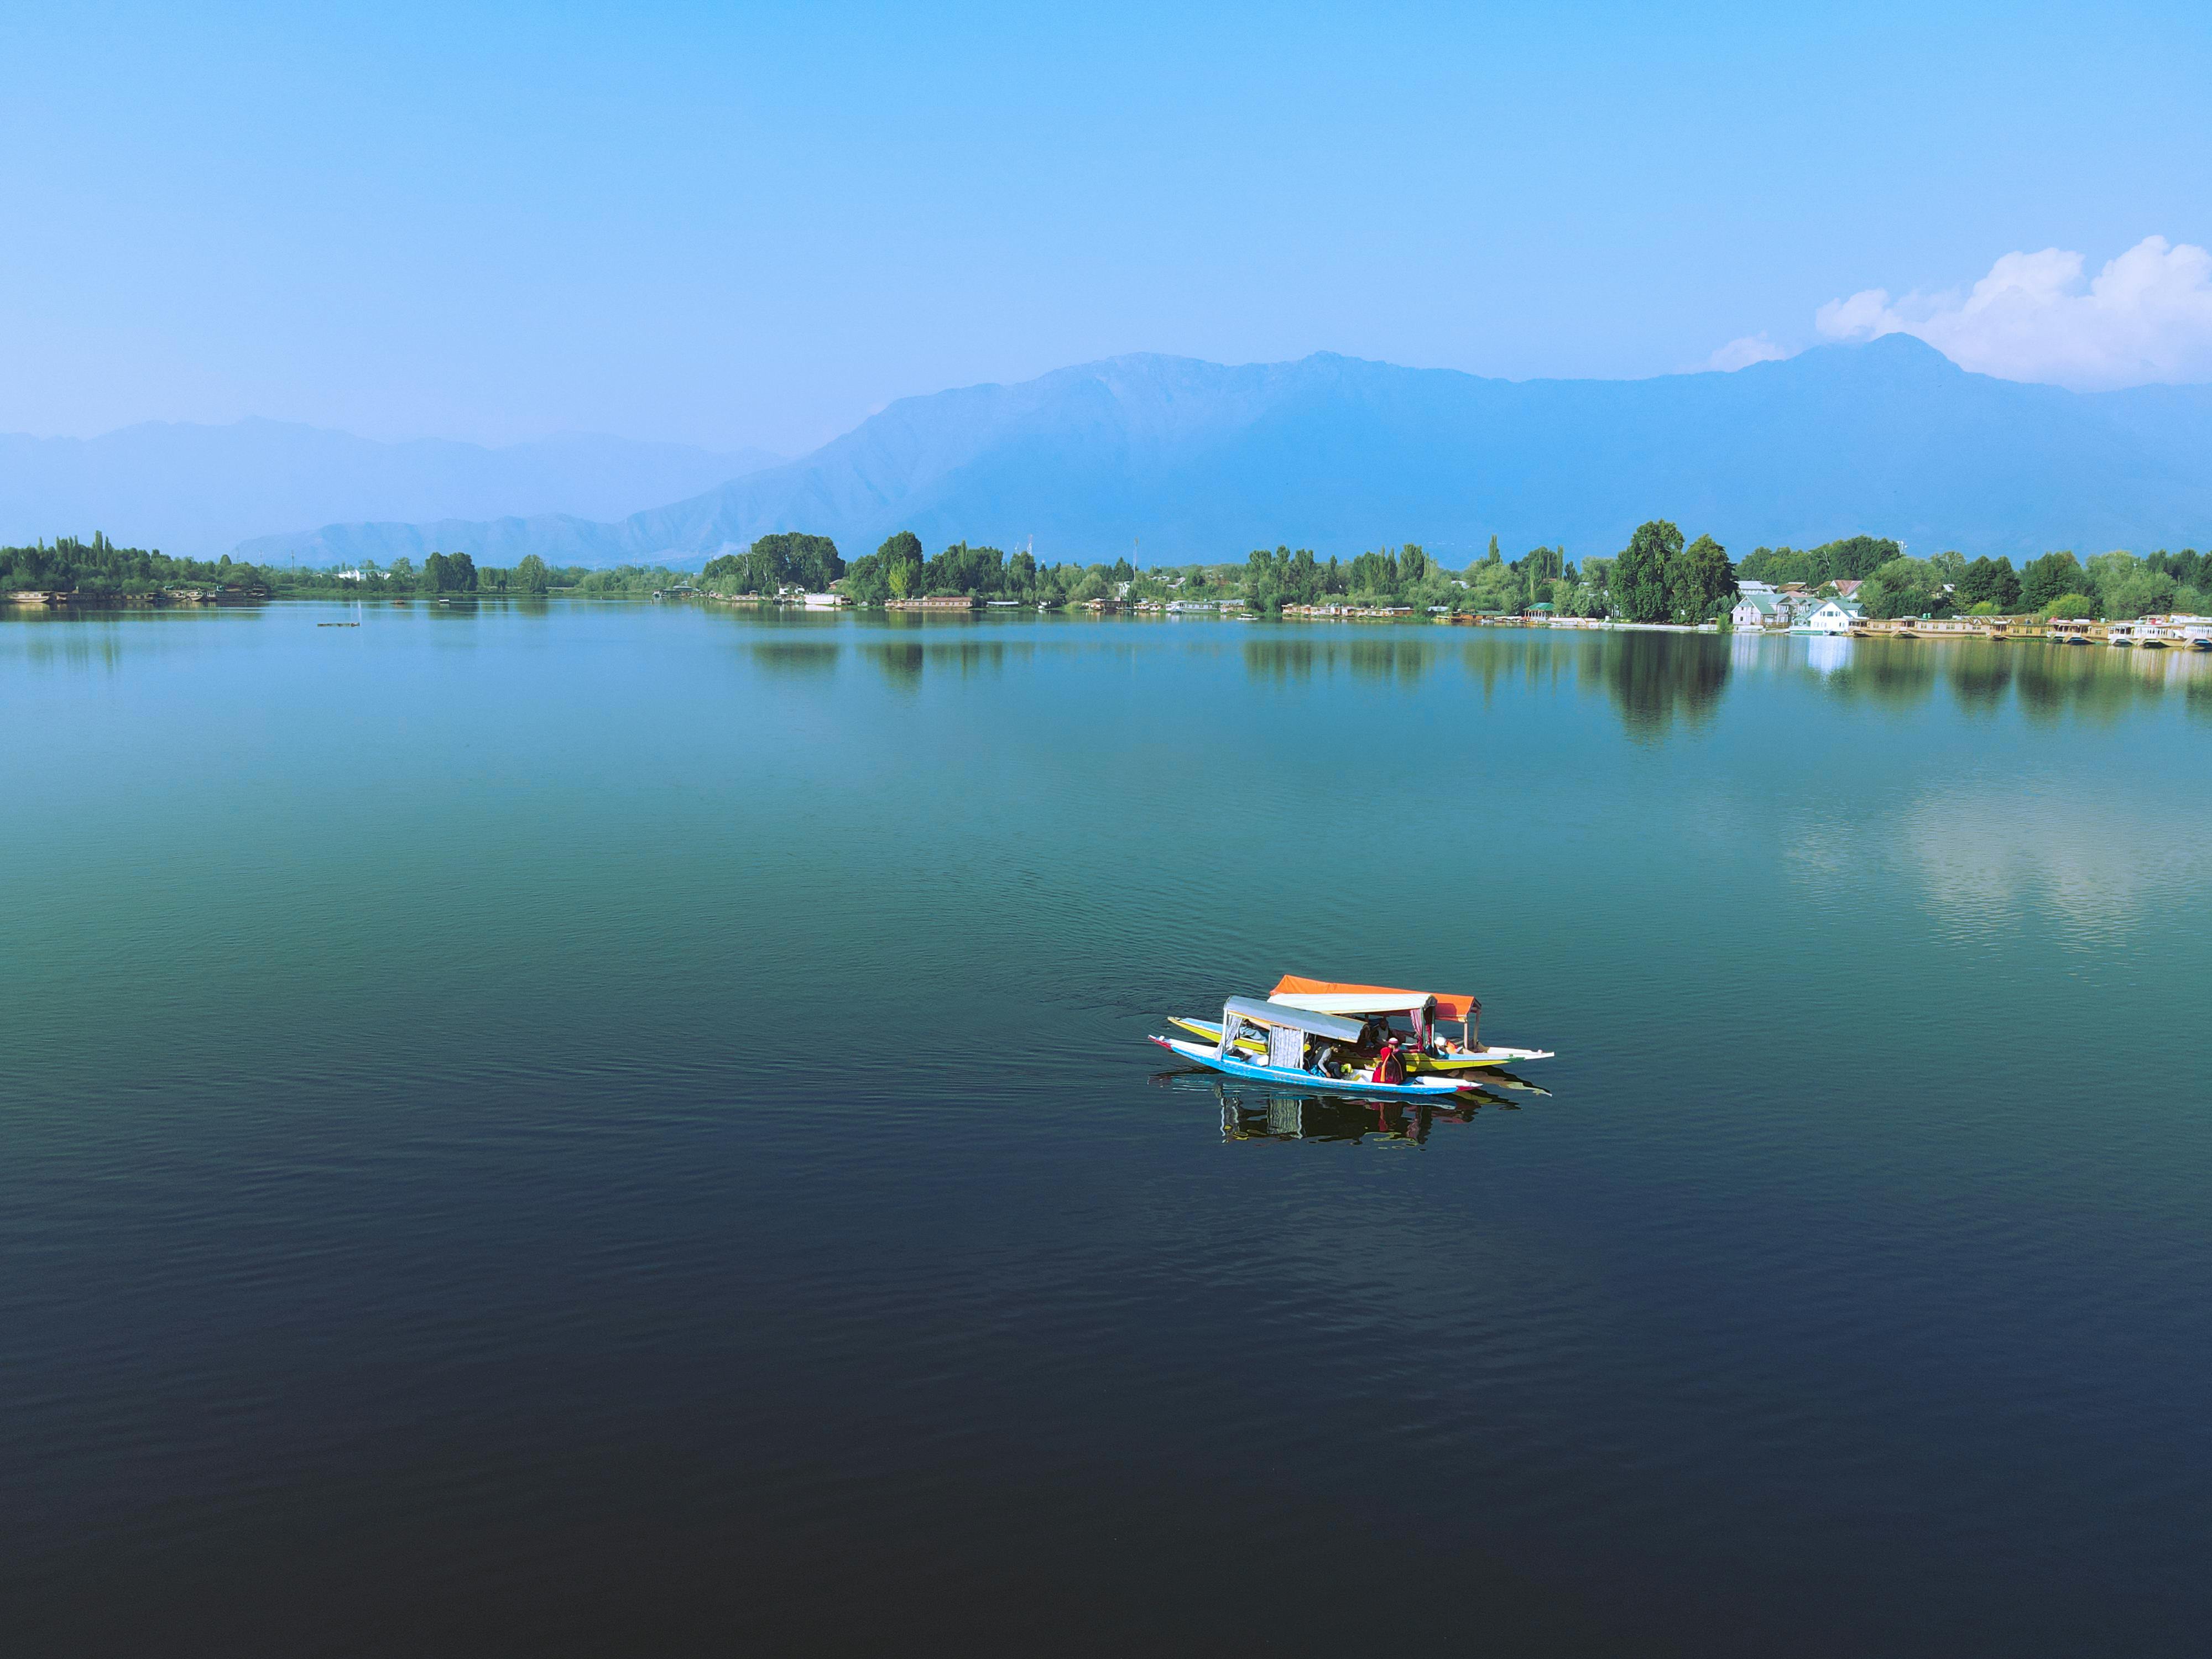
{"type": "Point", "coordinates": [1311, 1021]}
{"type": "Point", "coordinates": [1334, 997]}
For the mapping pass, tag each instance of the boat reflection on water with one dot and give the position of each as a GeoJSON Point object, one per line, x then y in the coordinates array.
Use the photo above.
{"type": "Point", "coordinates": [1333, 1117]}
{"type": "Point", "coordinates": [1268, 1114]}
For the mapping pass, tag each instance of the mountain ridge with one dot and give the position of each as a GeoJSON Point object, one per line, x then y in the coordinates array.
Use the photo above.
{"type": "Point", "coordinates": [1175, 459]}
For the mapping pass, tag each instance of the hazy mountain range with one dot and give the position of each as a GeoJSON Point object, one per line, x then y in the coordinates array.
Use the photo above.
{"type": "Point", "coordinates": [201, 490]}
{"type": "Point", "coordinates": [1179, 459]}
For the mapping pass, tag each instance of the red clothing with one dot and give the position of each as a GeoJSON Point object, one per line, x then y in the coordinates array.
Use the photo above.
{"type": "Point", "coordinates": [1388, 1068]}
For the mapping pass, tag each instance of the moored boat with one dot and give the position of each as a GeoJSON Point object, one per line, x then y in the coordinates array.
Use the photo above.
{"type": "Point", "coordinates": [1409, 1025]}
{"type": "Point", "coordinates": [1302, 1050]}
{"type": "Point", "coordinates": [1417, 1018]}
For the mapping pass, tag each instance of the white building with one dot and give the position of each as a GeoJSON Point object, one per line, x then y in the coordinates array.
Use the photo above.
{"type": "Point", "coordinates": [1831, 616]}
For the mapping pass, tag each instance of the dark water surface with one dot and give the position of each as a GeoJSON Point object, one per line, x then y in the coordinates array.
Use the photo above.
{"type": "Point", "coordinates": [628, 1129]}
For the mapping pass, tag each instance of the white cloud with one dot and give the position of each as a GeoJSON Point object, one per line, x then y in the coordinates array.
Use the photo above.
{"type": "Point", "coordinates": [2146, 317]}
{"type": "Point", "coordinates": [1741, 354]}
{"type": "Point", "coordinates": [1985, 853]}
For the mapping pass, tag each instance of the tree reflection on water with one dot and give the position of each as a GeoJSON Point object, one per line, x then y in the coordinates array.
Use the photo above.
{"type": "Point", "coordinates": [1900, 674]}
{"type": "Point", "coordinates": [1404, 658]}
{"type": "Point", "coordinates": [1655, 679]}
{"type": "Point", "coordinates": [2050, 681]}
{"type": "Point", "coordinates": [796, 656]}
{"type": "Point", "coordinates": [1658, 681]}
{"type": "Point", "coordinates": [900, 662]}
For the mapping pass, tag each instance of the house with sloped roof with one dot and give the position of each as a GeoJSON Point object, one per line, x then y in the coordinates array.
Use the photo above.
{"type": "Point", "coordinates": [1753, 611]}
{"type": "Point", "coordinates": [1831, 616]}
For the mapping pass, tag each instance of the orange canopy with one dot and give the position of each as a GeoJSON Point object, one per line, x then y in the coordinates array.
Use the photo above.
{"type": "Point", "coordinates": [1450, 1005]}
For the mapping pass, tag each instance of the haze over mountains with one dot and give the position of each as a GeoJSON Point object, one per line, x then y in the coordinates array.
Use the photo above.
{"type": "Point", "coordinates": [1181, 459]}
{"type": "Point", "coordinates": [1175, 459]}
{"type": "Point", "coordinates": [198, 491]}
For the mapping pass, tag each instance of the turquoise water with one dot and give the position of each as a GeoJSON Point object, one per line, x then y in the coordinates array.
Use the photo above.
{"type": "Point", "coordinates": [629, 1127]}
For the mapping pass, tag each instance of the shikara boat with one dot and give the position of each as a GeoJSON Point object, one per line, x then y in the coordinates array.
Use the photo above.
{"type": "Point", "coordinates": [1426, 1049]}
{"type": "Point", "coordinates": [1300, 1050]}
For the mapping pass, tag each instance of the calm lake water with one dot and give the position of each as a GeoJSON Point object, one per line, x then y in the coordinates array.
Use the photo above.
{"type": "Point", "coordinates": [629, 1129]}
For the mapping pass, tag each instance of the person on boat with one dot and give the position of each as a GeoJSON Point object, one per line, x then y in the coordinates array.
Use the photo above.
{"type": "Point", "coordinates": [1389, 1066]}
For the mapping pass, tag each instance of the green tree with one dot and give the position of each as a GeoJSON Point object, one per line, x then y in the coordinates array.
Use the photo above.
{"type": "Point", "coordinates": [2129, 586]}
{"type": "Point", "coordinates": [1855, 558]}
{"type": "Point", "coordinates": [2046, 578]}
{"type": "Point", "coordinates": [1639, 574]}
{"type": "Point", "coordinates": [449, 573]}
{"type": "Point", "coordinates": [1992, 582]}
{"type": "Point", "coordinates": [2147, 592]}
{"type": "Point", "coordinates": [794, 558]}
{"type": "Point", "coordinates": [1903, 587]}
{"type": "Point", "coordinates": [1700, 581]}
{"type": "Point", "coordinates": [530, 574]}
{"type": "Point", "coordinates": [1495, 587]}
{"type": "Point", "coordinates": [901, 560]}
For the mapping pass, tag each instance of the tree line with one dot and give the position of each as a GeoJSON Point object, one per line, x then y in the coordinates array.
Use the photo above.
{"type": "Point", "coordinates": [788, 559]}
{"type": "Point", "coordinates": [899, 569]}
{"type": "Point", "coordinates": [99, 568]}
{"type": "Point", "coordinates": [2109, 585]}
{"type": "Point", "coordinates": [1661, 576]}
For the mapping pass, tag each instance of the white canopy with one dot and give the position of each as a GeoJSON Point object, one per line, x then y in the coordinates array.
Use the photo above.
{"type": "Point", "coordinates": [1353, 1002]}
{"type": "Point", "coordinates": [1317, 1022]}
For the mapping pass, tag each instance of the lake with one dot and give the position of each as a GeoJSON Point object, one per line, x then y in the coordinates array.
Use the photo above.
{"type": "Point", "coordinates": [628, 1127]}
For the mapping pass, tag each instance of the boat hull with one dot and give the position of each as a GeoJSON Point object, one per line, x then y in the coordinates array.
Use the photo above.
{"type": "Point", "coordinates": [1416, 1064]}
{"type": "Point", "coordinates": [1431, 1087]}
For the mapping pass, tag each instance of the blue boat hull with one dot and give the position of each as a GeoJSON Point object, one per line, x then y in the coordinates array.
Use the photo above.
{"type": "Point", "coordinates": [1432, 1086]}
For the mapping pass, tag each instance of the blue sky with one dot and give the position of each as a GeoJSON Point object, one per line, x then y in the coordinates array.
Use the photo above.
{"type": "Point", "coordinates": [736, 225]}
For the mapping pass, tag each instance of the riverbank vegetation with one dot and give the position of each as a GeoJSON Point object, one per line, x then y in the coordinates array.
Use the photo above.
{"type": "Point", "coordinates": [1660, 576]}
{"type": "Point", "coordinates": [100, 569]}
{"type": "Point", "coordinates": [2117, 585]}
{"type": "Point", "coordinates": [789, 559]}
